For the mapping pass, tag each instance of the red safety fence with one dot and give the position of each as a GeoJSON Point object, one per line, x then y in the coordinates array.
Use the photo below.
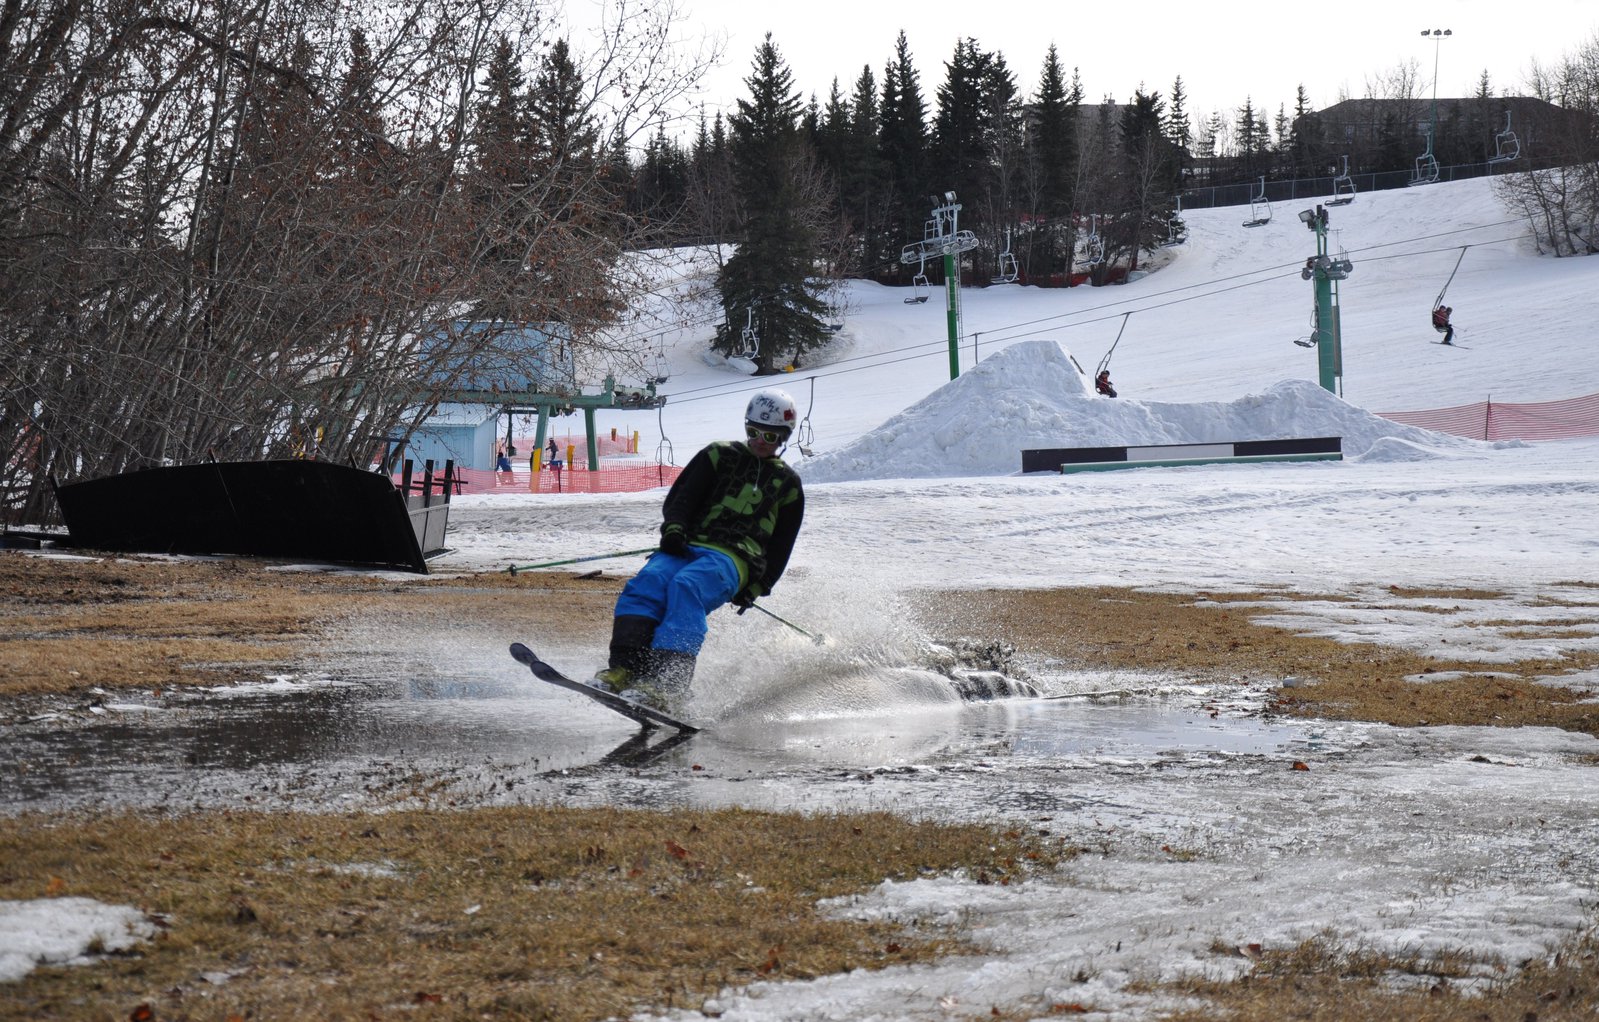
{"type": "Point", "coordinates": [1566, 419]}
{"type": "Point", "coordinates": [606, 479]}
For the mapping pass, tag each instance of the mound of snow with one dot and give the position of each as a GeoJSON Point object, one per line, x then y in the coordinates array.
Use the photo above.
{"type": "Point", "coordinates": [1031, 395]}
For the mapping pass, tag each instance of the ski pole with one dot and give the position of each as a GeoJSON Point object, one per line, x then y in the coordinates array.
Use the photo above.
{"type": "Point", "coordinates": [513, 569]}
{"type": "Point", "coordinates": [818, 639]}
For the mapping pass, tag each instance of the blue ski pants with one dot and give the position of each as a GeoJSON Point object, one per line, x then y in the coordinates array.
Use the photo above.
{"type": "Point", "coordinates": [678, 593]}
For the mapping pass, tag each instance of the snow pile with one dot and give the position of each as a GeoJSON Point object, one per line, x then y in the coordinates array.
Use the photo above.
{"type": "Point", "coordinates": [61, 931]}
{"type": "Point", "coordinates": [1031, 395]}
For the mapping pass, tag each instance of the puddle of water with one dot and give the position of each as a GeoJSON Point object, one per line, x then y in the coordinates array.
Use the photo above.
{"type": "Point", "coordinates": [385, 740]}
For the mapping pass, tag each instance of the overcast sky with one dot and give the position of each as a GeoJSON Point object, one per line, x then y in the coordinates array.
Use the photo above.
{"type": "Point", "coordinates": [1224, 52]}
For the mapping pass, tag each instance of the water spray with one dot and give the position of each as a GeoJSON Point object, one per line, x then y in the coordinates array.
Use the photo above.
{"type": "Point", "coordinates": [814, 637]}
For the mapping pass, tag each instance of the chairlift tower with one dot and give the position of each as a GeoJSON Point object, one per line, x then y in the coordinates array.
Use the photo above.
{"type": "Point", "coordinates": [942, 238]}
{"type": "Point", "coordinates": [1326, 271]}
{"type": "Point", "coordinates": [1437, 35]}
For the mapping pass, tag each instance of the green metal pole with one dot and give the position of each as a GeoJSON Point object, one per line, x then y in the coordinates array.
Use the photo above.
{"type": "Point", "coordinates": [952, 285]}
{"type": "Point", "coordinates": [543, 433]}
{"type": "Point", "coordinates": [1329, 358]}
{"type": "Point", "coordinates": [594, 443]}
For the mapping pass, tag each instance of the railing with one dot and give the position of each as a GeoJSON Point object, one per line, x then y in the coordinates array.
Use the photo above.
{"type": "Point", "coordinates": [1310, 189]}
{"type": "Point", "coordinates": [605, 479]}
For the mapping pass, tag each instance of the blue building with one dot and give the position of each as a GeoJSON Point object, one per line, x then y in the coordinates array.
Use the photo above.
{"type": "Point", "coordinates": [459, 431]}
{"type": "Point", "coordinates": [484, 368]}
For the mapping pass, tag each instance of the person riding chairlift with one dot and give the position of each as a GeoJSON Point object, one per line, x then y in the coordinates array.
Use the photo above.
{"type": "Point", "coordinates": [1102, 383]}
{"type": "Point", "coordinates": [1440, 323]}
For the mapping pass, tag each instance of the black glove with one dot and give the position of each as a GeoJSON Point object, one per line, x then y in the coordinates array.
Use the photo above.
{"type": "Point", "coordinates": [744, 599]}
{"type": "Point", "coordinates": [674, 540]}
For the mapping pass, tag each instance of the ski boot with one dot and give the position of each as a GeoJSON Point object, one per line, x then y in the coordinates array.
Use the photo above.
{"type": "Point", "coordinates": [630, 649]}
{"type": "Point", "coordinates": [664, 681]}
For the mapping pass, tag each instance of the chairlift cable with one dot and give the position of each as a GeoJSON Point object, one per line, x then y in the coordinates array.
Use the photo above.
{"type": "Point", "coordinates": [923, 348]}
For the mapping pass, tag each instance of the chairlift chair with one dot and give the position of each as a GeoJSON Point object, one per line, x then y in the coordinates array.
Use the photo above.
{"type": "Point", "coordinates": [1426, 166]}
{"type": "Point", "coordinates": [1315, 331]}
{"type": "Point", "coordinates": [663, 450]}
{"type": "Point", "coordinates": [920, 289]}
{"type": "Point", "coordinates": [804, 437]}
{"type": "Point", "coordinates": [1176, 229]}
{"type": "Point", "coordinates": [1343, 186]}
{"type": "Point", "coordinates": [1093, 244]}
{"type": "Point", "coordinates": [1507, 146]}
{"type": "Point", "coordinates": [661, 372]}
{"type": "Point", "coordinates": [1008, 269]}
{"type": "Point", "coordinates": [749, 338]}
{"type": "Point", "coordinates": [1259, 207]}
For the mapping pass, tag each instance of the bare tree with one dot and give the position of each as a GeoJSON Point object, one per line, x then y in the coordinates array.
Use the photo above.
{"type": "Point", "coordinates": [1562, 200]}
{"type": "Point", "coordinates": [254, 228]}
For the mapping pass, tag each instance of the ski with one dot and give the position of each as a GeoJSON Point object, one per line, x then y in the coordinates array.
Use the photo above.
{"type": "Point", "coordinates": [1452, 344]}
{"type": "Point", "coordinates": [645, 716]}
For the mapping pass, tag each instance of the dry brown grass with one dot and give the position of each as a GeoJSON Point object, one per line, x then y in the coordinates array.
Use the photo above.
{"type": "Point", "coordinates": [1320, 982]}
{"type": "Point", "coordinates": [517, 913]}
{"type": "Point", "coordinates": [159, 623]}
{"type": "Point", "coordinates": [1218, 637]}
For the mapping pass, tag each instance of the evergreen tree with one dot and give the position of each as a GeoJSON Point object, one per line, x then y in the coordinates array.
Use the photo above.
{"type": "Point", "coordinates": [499, 189]}
{"type": "Point", "coordinates": [861, 178]}
{"type": "Point", "coordinates": [903, 128]}
{"type": "Point", "coordinates": [1282, 140]}
{"type": "Point", "coordinates": [1052, 158]}
{"type": "Point", "coordinates": [1254, 141]}
{"type": "Point", "coordinates": [768, 282]}
{"type": "Point", "coordinates": [661, 185]}
{"type": "Point", "coordinates": [960, 153]}
{"type": "Point", "coordinates": [1003, 135]}
{"type": "Point", "coordinates": [1178, 131]}
{"type": "Point", "coordinates": [564, 134]}
{"type": "Point", "coordinates": [712, 210]}
{"type": "Point", "coordinates": [1148, 177]}
{"type": "Point", "coordinates": [1307, 150]}
{"type": "Point", "coordinates": [833, 132]}
{"type": "Point", "coordinates": [1484, 119]}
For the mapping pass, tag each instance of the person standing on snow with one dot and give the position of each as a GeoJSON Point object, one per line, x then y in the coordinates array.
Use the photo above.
{"type": "Point", "coordinates": [728, 526]}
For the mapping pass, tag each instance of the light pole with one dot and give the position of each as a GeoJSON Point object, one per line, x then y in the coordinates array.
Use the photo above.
{"type": "Point", "coordinates": [1438, 35]}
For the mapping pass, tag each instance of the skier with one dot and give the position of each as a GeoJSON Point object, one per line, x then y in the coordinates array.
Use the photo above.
{"type": "Point", "coordinates": [1102, 383]}
{"type": "Point", "coordinates": [1440, 323]}
{"type": "Point", "coordinates": [728, 526]}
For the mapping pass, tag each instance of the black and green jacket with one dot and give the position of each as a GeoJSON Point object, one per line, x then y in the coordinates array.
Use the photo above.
{"type": "Point", "coordinates": [749, 508]}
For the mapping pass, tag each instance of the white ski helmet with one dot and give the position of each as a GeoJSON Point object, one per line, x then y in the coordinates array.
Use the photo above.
{"type": "Point", "coordinates": [772, 409]}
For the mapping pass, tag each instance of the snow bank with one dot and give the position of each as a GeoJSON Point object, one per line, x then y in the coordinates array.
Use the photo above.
{"type": "Point", "coordinates": [62, 931]}
{"type": "Point", "coordinates": [1032, 395]}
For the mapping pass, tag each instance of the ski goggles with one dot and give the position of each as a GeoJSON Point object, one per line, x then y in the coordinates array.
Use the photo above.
{"type": "Point", "coordinates": [771, 436]}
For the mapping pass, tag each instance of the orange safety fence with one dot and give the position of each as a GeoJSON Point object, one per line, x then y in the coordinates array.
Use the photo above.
{"type": "Point", "coordinates": [1565, 419]}
{"type": "Point", "coordinates": [605, 445]}
{"type": "Point", "coordinates": [605, 479]}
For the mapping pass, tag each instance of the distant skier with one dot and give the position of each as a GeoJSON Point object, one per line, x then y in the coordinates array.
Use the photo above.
{"type": "Point", "coordinates": [1440, 323]}
{"type": "Point", "coordinates": [729, 525]}
{"type": "Point", "coordinates": [1102, 383]}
